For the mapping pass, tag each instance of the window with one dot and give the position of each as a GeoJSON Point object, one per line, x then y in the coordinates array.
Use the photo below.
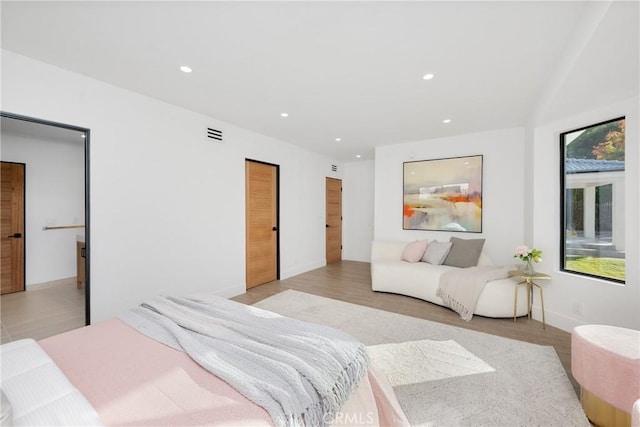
{"type": "Point", "coordinates": [593, 180]}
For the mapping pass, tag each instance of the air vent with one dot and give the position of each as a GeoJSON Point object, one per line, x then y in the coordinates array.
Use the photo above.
{"type": "Point", "coordinates": [214, 134]}
{"type": "Point", "coordinates": [334, 168]}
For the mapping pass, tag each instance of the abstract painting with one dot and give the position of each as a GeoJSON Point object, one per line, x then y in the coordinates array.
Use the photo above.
{"type": "Point", "coordinates": [443, 194]}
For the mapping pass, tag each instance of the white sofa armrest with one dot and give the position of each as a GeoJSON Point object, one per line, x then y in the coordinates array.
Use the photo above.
{"type": "Point", "coordinates": [387, 251]}
{"type": "Point", "coordinates": [484, 259]}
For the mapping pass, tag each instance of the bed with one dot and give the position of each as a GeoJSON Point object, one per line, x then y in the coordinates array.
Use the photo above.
{"type": "Point", "coordinates": [116, 375]}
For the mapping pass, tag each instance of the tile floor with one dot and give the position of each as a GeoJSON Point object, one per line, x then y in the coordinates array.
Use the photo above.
{"type": "Point", "coordinates": [42, 310]}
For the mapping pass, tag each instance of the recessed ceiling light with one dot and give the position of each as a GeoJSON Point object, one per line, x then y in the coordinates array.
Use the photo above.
{"type": "Point", "coordinates": [284, 114]}
{"type": "Point", "coordinates": [358, 156]}
{"type": "Point", "coordinates": [185, 69]}
{"type": "Point", "coordinates": [428, 76]}
{"type": "Point", "coordinates": [446, 121]}
{"type": "Point", "coordinates": [338, 139]}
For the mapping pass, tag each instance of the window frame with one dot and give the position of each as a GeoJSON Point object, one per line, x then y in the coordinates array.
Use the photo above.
{"type": "Point", "coordinates": [563, 207]}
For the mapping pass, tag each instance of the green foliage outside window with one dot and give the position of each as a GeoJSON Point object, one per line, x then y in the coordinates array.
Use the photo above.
{"type": "Point", "coordinates": [603, 142]}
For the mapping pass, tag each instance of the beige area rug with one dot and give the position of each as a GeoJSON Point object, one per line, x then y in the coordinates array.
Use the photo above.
{"type": "Point", "coordinates": [449, 376]}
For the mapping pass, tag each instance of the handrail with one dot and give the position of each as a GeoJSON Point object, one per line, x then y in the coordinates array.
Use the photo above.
{"type": "Point", "coordinates": [58, 227]}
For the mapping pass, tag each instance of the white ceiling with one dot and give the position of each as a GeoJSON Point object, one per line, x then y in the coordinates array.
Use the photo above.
{"type": "Point", "coordinates": [346, 69]}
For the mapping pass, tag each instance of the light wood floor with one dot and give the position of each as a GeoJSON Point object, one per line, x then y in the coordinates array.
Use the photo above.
{"type": "Point", "coordinates": [42, 310]}
{"type": "Point", "coordinates": [59, 307]}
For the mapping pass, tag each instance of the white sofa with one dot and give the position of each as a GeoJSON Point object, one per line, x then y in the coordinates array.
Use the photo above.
{"type": "Point", "coordinates": [421, 280]}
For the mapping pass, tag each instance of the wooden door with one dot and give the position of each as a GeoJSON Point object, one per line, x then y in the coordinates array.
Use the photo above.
{"type": "Point", "coordinates": [261, 196]}
{"type": "Point", "coordinates": [334, 220]}
{"type": "Point", "coordinates": [12, 227]}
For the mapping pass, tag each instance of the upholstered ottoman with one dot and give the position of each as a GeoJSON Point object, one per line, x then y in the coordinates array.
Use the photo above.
{"type": "Point", "coordinates": [605, 361]}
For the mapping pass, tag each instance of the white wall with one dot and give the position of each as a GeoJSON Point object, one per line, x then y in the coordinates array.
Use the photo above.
{"type": "Point", "coordinates": [358, 210]}
{"type": "Point", "coordinates": [602, 302]}
{"type": "Point", "coordinates": [54, 195]}
{"type": "Point", "coordinates": [167, 205]}
{"type": "Point", "coordinates": [503, 183]}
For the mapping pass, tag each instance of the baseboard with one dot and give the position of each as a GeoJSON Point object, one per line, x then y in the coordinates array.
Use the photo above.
{"type": "Point", "coordinates": [348, 257]}
{"type": "Point", "coordinates": [48, 284]}
{"type": "Point", "coordinates": [555, 319]}
{"type": "Point", "coordinates": [299, 269]}
{"type": "Point", "coordinates": [241, 288]}
{"type": "Point", "coordinates": [231, 291]}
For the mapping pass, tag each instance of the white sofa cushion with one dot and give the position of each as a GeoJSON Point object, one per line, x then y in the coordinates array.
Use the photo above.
{"type": "Point", "coordinates": [408, 279]}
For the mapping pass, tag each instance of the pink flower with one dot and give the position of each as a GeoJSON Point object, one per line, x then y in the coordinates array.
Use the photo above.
{"type": "Point", "coordinates": [522, 250]}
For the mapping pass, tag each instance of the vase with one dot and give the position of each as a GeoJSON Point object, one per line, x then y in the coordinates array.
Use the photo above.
{"type": "Point", "coordinates": [528, 268]}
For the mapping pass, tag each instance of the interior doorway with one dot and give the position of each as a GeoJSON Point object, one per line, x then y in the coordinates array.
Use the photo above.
{"type": "Point", "coordinates": [29, 137]}
{"type": "Point", "coordinates": [261, 213]}
{"type": "Point", "coordinates": [333, 220]}
{"type": "Point", "coordinates": [12, 190]}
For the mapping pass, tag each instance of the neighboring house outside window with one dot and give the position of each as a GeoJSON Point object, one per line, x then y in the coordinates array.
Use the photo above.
{"type": "Point", "coordinates": [593, 196]}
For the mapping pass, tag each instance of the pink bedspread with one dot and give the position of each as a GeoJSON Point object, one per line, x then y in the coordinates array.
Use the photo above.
{"type": "Point", "coordinates": [131, 379]}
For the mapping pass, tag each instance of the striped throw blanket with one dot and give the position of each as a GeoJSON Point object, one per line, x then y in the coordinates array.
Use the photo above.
{"type": "Point", "coordinates": [300, 373]}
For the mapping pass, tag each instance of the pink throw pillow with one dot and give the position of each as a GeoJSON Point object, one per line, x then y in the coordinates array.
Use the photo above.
{"type": "Point", "coordinates": [413, 251]}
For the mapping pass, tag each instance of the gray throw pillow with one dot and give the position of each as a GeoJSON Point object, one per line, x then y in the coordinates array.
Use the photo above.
{"type": "Point", "coordinates": [464, 252]}
{"type": "Point", "coordinates": [436, 252]}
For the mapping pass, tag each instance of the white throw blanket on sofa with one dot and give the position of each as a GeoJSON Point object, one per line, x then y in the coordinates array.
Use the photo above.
{"type": "Point", "coordinates": [299, 372]}
{"type": "Point", "coordinates": [460, 289]}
